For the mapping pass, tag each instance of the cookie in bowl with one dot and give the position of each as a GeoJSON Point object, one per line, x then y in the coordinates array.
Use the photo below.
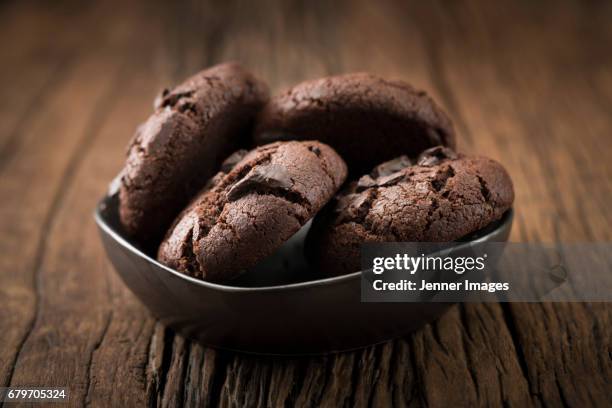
{"type": "Point", "coordinates": [244, 214]}
{"type": "Point", "coordinates": [195, 125]}
{"type": "Point", "coordinates": [367, 119]}
{"type": "Point", "coordinates": [442, 197]}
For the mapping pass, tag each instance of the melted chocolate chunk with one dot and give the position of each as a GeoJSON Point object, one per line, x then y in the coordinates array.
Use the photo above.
{"type": "Point", "coordinates": [390, 179]}
{"type": "Point", "coordinates": [436, 155]}
{"type": "Point", "coordinates": [159, 99]}
{"type": "Point", "coordinates": [364, 183]}
{"type": "Point", "coordinates": [392, 166]}
{"type": "Point", "coordinates": [352, 206]}
{"type": "Point", "coordinates": [261, 179]}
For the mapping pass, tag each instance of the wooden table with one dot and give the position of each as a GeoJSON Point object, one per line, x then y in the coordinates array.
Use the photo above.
{"type": "Point", "coordinates": [527, 84]}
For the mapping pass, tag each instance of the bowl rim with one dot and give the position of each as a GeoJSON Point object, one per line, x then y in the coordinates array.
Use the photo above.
{"type": "Point", "coordinates": [110, 231]}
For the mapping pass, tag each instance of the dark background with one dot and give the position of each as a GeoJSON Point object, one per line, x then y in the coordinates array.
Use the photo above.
{"type": "Point", "coordinates": [527, 83]}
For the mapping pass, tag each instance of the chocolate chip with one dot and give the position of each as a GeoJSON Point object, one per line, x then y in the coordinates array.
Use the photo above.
{"type": "Point", "coordinates": [261, 179]}
{"type": "Point", "coordinates": [391, 166]}
{"type": "Point", "coordinates": [159, 99]}
{"type": "Point", "coordinates": [435, 155]}
{"type": "Point", "coordinates": [315, 150]}
{"type": "Point", "coordinates": [187, 107]}
{"type": "Point", "coordinates": [172, 99]}
{"type": "Point", "coordinates": [442, 176]}
{"type": "Point", "coordinates": [351, 205]}
{"type": "Point", "coordinates": [364, 183]}
{"type": "Point", "coordinates": [390, 179]}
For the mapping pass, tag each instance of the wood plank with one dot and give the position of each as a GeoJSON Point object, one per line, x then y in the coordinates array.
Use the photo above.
{"type": "Point", "coordinates": [36, 66]}
{"type": "Point", "coordinates": [128, 334]}
{"type": "Point", "coordinates": [25, 232]}
{"type": "Point", "coordinates": [502, 95]}
{"type": "Point", "coordinates": [50, 152]}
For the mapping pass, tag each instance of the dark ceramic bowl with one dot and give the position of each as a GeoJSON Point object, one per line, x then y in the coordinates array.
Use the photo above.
{"type": "Point", "coordinates": [312, 317]}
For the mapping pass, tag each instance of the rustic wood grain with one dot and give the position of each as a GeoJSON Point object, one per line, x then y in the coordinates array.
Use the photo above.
{"type": "Point", "coordinates": [521, 80]}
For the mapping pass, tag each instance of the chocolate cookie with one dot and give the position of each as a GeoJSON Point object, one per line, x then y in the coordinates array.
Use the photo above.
{"type": "Point", "coordinates": [443, 197]}
{"type": "Point", "coordinates": [243, 215]}
{"type": "Point", "coordinates": [194, 127]}
{"type": "Point", "coordinates": [365, 118]}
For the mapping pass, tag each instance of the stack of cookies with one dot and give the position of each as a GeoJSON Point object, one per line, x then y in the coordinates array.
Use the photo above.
{"type": "Point", "coordinates": [367, 159]}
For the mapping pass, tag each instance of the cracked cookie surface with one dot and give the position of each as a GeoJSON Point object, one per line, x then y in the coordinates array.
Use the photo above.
{"type": "Point", "coordinates": [443, 197]}
{"type": "Point", "coordinates": [365, 118]}
{"type": "Point", "coordinates": [194, 127]}
{"type": "Point", "coordinates": [251, 208]}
